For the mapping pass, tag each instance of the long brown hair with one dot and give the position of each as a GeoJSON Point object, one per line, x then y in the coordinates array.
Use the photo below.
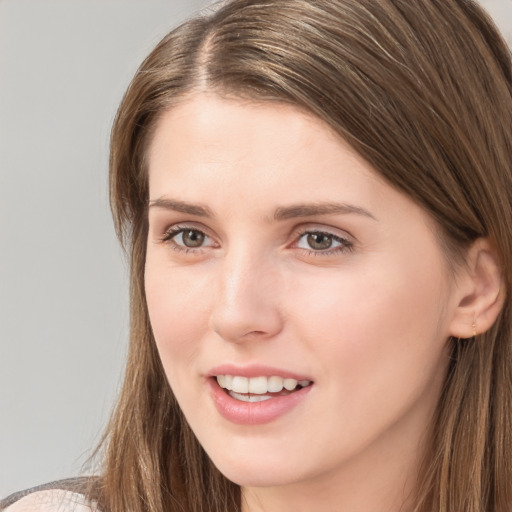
{"type": "Point", "coordinates": [422, 90]}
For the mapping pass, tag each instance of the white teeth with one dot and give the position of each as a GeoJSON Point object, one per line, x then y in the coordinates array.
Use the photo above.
{"type": "Point", "coordinates": [258, 385]}
{"type": "Point", "coordinates": [275, 384]}
{"type": "Point", "coordinates": [290, 384]}
{"type": "Point", "coordinates": [240, 384]}
{"type": "Point", "coordinates": [228, 381]}
{"type": "Point", "coordinates": [249, 398]}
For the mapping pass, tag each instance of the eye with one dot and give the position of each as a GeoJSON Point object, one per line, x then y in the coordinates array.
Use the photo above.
{"type": "Point", "coordinates": [190, 238]}
{"type": "Point", "coordinates": [185, 238]}
{"type": "Point", "coordinates": [322, 242]}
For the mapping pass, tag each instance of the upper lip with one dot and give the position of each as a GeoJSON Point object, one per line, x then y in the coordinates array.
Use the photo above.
{"type": "Point", "coordinates": [256, 370]}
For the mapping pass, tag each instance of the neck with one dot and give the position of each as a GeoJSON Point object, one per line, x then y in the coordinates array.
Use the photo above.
{"type": "Point", "coordinates": [382, 479]}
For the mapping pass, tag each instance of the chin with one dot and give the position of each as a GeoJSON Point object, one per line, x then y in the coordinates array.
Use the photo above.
{"type": "Point", "coordinates": [245, 476]}
{"type": "Point", "coordinates": [260, 470]}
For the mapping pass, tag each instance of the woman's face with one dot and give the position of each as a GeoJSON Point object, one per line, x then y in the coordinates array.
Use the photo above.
{"type": "Point", "coordinates": [277, 257]}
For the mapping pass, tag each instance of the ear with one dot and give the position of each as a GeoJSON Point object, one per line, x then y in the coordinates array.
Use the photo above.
{"type": "Point", "coordinates": [480, 294]}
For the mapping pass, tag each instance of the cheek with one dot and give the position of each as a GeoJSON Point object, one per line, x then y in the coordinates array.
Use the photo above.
{"type": "Point", "coordinates": [377, 348]}
{"type": "Point", "coordinates": [178, 311]}
{"type": "Point", "coordinates": [380, 329]}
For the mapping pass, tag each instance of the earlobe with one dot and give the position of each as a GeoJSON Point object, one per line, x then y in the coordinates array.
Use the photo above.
{"type": "Point", "coordinates": [480, 291]}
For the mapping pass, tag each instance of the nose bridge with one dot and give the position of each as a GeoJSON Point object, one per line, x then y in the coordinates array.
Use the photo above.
{"type": "Point", "coordinates": [246, 304]}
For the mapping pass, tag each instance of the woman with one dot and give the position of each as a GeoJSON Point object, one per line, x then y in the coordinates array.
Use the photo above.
{"type": "Point", "coordinates": [316, 200]}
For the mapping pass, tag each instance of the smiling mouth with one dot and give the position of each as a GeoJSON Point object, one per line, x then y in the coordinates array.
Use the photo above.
{"type": "Point", "coordinates": [258, 389]}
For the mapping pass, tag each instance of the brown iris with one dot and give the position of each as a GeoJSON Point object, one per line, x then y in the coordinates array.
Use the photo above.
{"type": "Point", "coordinates": [192, 238]}
{"type": "Point", "coordinates": [319, 241]}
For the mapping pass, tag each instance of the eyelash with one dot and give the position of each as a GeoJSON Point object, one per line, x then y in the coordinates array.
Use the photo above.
{"type": "Point", "coordinates": [344, 247]}
{"type": "Point", "coordinates": [173, 232]}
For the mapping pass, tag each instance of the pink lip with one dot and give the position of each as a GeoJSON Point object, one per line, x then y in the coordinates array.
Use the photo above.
{"type": "Point", "coordinates": [254, 413]}
{"type": "Point", "coordinates": [254, 370]}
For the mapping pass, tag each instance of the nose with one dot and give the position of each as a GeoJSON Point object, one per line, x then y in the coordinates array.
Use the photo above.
{"type": "Point", "coordinates": [247, 302]}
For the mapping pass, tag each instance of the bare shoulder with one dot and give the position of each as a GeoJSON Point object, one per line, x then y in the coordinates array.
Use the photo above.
{"type": "Point", "coordinates": [52, 500]}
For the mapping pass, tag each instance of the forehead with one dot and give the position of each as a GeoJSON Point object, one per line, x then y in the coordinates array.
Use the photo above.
{"type": "Point", "coordinates": [208, 141]}
{"type": "Point", "coordinates": [244, 161]}
{"type": "Point", "coordinates": [208, 118]}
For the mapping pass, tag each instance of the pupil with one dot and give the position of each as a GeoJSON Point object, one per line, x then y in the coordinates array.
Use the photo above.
{"type": "Point", "coordinates": [319, 241]}
{"type": "Point", "coordinates": [193, 238]}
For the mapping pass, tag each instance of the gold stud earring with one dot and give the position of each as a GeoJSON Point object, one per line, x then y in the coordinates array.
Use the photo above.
{"type": "Point", "coordinates": [473, 326]}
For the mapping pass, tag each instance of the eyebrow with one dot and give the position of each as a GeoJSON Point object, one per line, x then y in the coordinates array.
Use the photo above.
{"type": "Point", "coordinates": [281, 213]}
{"type": "Point", "coordinates": [181, 206]}
{"type": "Point", "coordinates": [309, 210]}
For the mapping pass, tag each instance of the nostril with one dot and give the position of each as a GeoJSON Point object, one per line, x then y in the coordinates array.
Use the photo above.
{"type": "Point", "coordinates": [242, 316]}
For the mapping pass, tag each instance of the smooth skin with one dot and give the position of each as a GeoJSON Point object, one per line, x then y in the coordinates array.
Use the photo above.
{"type": "Point", "coordinates": [252, 260]}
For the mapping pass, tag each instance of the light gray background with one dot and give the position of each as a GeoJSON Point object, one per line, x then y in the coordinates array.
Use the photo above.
{"type": "Point", "coordinates": [63, 294]}
{"type": "Point", "coordinates": [64, 66]}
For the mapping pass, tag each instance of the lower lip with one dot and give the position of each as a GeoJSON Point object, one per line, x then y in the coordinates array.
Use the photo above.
{"type": "Point", "coordinates": [254, 413]}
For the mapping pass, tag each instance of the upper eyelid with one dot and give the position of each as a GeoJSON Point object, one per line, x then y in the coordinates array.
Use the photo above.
{"type": "Point", "coordinates": [327, 233]}
{"type": "Point", "coordinates": [294, 234]}
{"type": "Point", "coordinates": [342, 240]}
{"type": "Point", "coordinates": [170, 234]}
{"type": "Point", "coordinates": [173, 231]}
{"type": "Point", "coordinates": [180, 226]}
{"type": "Point", "coordinates": [327, 230]}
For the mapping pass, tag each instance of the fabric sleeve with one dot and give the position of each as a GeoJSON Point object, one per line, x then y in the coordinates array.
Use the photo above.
{"type": "Point", "coordinates": [52, 500]}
